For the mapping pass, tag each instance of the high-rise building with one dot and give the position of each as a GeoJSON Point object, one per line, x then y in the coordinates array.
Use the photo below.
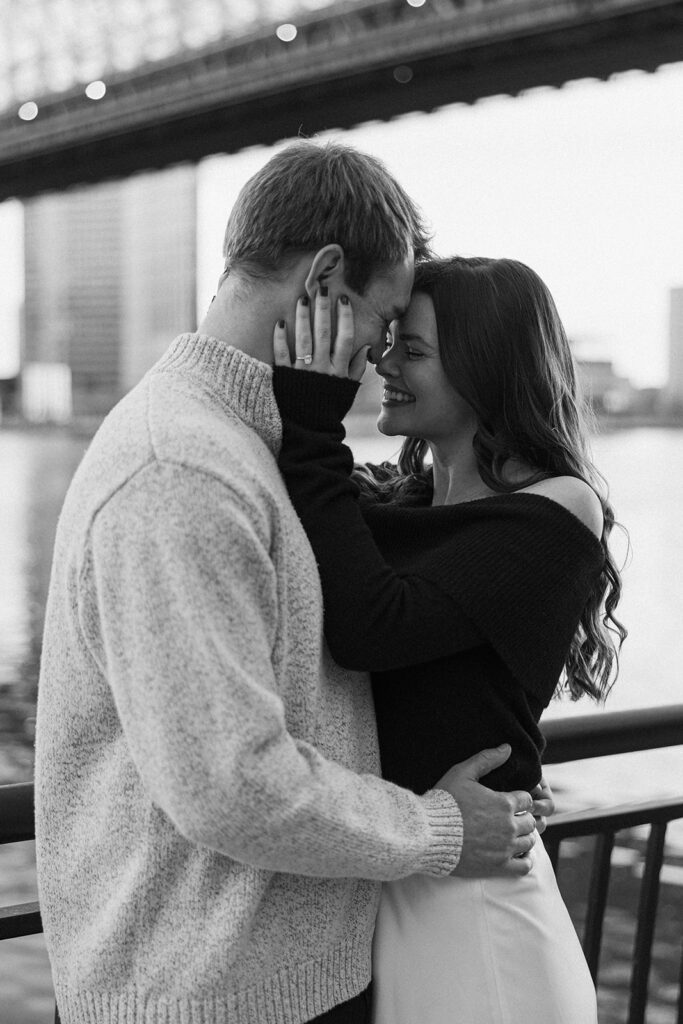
{"type": "Point", "coordinates": [158, 280]}
{"type": "Point", "coordinates": [673, 392]}
{"type": "Point", "coordinates": [110, 279]}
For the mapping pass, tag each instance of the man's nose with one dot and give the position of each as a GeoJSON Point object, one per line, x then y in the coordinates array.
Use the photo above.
{"type": "Point", "coordinates": [385, 365]}
{"type": "Point", "coordinates": [376, 352]}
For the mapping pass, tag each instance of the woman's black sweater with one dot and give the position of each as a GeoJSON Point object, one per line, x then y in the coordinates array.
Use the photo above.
{"type": "Point", "coordinates": [462, 613]}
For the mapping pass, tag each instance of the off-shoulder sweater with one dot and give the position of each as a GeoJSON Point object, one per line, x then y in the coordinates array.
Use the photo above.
{"type": "Point", "coordinates": [463, 613]}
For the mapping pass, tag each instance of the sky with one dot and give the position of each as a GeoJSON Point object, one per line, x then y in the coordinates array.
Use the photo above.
{"type": "Point", "coordinates": [583, 183]}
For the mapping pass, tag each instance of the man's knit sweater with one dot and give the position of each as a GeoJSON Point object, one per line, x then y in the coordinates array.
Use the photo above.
{"type": "Point", "coordinates": [211, 829]}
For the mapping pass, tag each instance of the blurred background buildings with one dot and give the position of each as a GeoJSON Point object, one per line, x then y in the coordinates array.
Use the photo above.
{"type": "Point", "coordinates": [673, 392]}
{"type": "Point", "coordinates": [110, 276]}
{"type": "Point", "coordinates": [109, 279]}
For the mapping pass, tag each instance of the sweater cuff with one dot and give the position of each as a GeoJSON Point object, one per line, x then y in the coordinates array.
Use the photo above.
{"type": "Point", "coordinates": [445, 820]}
{"type": "Point", "coordinates": [318, 401]}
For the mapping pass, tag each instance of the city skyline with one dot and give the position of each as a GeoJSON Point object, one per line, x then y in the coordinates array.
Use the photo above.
{"type": "Point", "coordinates": [109, 279]}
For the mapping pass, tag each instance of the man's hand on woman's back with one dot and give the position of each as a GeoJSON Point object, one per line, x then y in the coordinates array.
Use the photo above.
{"type": "Point", "coordinates": [499, 829]}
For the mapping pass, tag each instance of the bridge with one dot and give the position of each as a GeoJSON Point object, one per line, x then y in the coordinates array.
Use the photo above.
{"type": "Point", "coordinates": [349, 62]}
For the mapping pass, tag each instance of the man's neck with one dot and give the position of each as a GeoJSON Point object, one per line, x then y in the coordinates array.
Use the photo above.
{"type": "Point", "coordinates": [244, 314]}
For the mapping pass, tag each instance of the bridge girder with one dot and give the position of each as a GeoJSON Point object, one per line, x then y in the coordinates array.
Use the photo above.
{"type": "Point", "coordinates": [339, 72]}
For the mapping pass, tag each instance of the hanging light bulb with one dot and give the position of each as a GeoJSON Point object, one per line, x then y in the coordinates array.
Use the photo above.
{"type": "Point", "coordinates": [287, 32]}
{"type": "Point", "coordinates": [28, 111]}
{"type": "Point", "coordinates": [95, 90]}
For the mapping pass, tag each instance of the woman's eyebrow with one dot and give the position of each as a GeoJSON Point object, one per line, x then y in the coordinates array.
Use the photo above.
{"type": "Point", "coordinates": [407, 336]}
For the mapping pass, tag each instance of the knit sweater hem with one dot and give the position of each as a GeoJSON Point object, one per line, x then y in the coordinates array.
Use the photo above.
{"type": "Point", "coordinates": [291, 996]}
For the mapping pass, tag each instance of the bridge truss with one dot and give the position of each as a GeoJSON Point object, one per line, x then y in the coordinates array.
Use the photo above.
{"type": "Point", "coordinates": [349, 63]}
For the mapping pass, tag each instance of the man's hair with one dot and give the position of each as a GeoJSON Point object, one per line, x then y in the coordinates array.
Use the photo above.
{"type": "Point", "coordinates": [314, 194]}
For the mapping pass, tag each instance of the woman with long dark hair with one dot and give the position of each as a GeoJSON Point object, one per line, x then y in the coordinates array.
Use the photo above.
{"type": "Point", "coordinates": [474, 586]}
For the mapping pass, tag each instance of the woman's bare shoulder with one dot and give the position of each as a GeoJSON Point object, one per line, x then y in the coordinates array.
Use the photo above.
{"type": "Point", "coordinates": [576, 496]}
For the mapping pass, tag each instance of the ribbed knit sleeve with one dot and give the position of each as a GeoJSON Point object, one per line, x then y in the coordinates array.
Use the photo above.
{"type": "Point", "coordinates": [375, 618]}
{"type": "Point", "coordinates": [513, 571]}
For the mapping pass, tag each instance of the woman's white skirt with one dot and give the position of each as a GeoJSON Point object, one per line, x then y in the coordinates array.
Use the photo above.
{"type": "Point", "coordinates": [479, 951]}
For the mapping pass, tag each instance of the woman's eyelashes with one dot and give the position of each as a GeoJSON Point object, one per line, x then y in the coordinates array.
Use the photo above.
{"type": "Point", "coordinates": [391, 341]}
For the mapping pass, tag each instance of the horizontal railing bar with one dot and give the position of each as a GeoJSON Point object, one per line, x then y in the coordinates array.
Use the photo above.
{"type": "Point", "coordinates": [613, 819]}
{"type": "Point", "coordinates": [16, 813]}
{"type": "Point", "coordinates": [20, 919]}
{"type": "Point", "coordinates": [614, 732]}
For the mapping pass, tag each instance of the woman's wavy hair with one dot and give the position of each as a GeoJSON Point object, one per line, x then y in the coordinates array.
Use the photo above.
{"type": "Point", "coordinates": [505, 351]}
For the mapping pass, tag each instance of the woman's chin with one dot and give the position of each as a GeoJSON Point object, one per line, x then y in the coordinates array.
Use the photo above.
{"type": "Point", "coordinates": [385, 425]}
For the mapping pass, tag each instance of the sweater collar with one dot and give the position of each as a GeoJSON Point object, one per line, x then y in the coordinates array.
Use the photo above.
{"type": "Point", "coordinates": [241, 382]}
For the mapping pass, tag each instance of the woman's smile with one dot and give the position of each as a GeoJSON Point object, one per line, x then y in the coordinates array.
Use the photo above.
{"type": "Point", "coordinates": [396, 396]}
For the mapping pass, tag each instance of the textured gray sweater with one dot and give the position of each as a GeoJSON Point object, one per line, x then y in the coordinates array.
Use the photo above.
{"type": "Point", "coordinates": [211, 830]}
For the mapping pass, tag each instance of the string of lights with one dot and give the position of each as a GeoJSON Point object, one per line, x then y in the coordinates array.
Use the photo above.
{"type": "Point", "coordinates": [51, 46]}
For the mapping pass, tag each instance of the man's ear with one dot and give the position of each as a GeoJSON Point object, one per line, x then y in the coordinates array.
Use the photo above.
{"type": "Point", "coordinates": [221, 279]}
{"type": "Point", "coordinates": [327, 268]}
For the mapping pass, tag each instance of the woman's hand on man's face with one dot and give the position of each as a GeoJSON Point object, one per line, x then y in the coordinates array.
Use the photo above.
{"type": "Point", "coordinates": [314, 347]}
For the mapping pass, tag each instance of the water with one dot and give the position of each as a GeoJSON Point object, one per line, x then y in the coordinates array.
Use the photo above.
{"type": "Point", "coordinates": [35, 469]}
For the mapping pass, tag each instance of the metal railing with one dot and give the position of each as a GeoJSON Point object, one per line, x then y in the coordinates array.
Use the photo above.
{"type": "Point", "coordinates": [568, 740]}
{"type": "Point", "coordinates": [599, 736]}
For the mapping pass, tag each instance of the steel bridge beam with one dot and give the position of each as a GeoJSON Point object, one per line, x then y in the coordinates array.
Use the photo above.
{"type": "Point", "coordinates": [339, 72]}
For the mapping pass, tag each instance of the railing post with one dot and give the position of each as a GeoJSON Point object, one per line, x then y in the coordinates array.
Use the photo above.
{"type": "Point", "coordinates": [679, 1018]}
{"type": "Point", "coordinates": [647, 910]}
{"type": "Point", "coordinates": [552, 848]}
{"type": "Point", "coordinates": [597, 900]}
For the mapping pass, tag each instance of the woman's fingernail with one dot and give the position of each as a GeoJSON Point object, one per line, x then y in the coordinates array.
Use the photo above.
{"type": "Point", "coordinates": [323, 291]}
{"type": "Point", "coordinates": [304, 300]}
{"type": "Point", "coordinates": [344, 299]}
{"type": "Point", "coordinates": [281, 324]}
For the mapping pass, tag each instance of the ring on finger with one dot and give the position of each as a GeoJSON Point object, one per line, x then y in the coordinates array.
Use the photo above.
{"type": "Point", "coordinates": [307, 360]}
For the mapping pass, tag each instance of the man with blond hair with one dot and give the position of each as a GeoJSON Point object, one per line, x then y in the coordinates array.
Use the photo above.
{"type": "Point", "coordinates": [212, 830]}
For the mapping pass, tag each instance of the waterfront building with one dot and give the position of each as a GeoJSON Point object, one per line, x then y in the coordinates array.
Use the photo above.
{"type": "Point", "coordinates": [606, 390]}
{"type": "Point", "coordinates": [110, 279]}
{"type": "Point", "coordinates": [673, 393]}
